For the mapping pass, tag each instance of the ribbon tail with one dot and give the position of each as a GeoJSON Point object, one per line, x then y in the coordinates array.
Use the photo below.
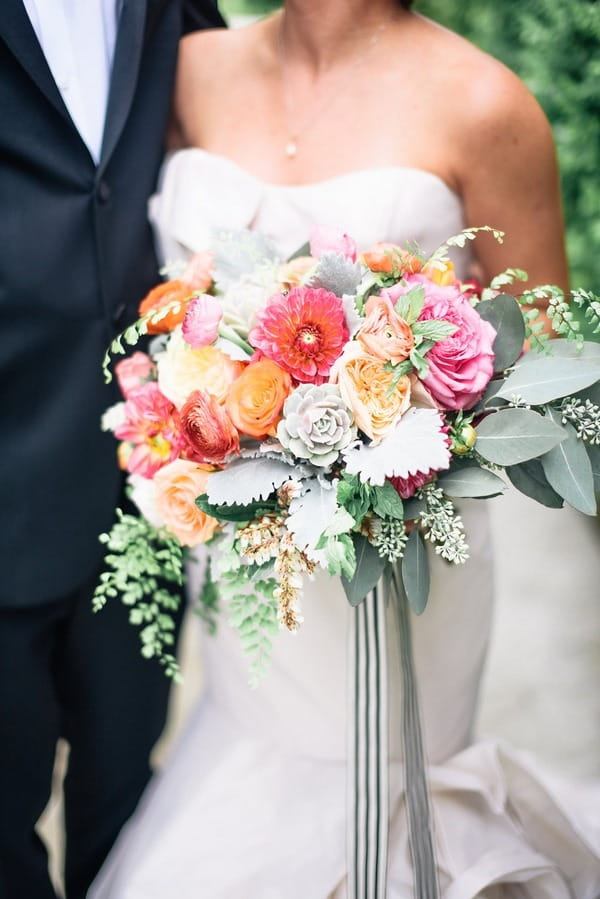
{"type": "Point", "coordinates": [368, 751]}
{"type": "Point", "coordinates": [417, 797]}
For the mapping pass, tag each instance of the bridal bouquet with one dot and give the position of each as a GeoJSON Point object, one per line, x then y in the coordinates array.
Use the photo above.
{"type": "Point", "coordinates": [326, 412]}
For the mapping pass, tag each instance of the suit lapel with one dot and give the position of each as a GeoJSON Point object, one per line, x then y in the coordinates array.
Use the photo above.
{"type": "Point", "coordinates": [126, 63]}
{"type": "Point", "coordinates": [18, 34]}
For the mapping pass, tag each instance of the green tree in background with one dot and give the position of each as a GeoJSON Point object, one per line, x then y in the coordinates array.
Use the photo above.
{"type": "Point", "coordinates": [554, 45]}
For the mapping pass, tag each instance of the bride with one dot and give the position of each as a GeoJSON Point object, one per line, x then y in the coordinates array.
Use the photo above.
{"type": "Point", "coordinates": [364, 116]}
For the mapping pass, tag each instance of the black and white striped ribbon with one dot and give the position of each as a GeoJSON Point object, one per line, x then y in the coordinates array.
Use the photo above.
{"type": "Point", "coordinates": [368, 756]}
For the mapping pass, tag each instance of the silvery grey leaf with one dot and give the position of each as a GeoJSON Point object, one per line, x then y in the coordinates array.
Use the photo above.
{"type": "Point", "coordinates": [247, 480]}
{"type": "Point", "coordinates": [337, 274]}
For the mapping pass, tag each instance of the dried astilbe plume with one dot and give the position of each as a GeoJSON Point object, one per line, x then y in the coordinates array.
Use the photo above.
{"type": "Point", "coordinates": [290, 565]}
{"type": "Point", "coordinates": [260, 540]}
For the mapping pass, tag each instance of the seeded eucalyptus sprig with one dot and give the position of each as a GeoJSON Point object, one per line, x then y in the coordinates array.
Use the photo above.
{"type": "Point", "coordinates": [141, 563]}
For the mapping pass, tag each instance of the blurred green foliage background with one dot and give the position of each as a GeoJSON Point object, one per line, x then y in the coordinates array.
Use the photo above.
{"type": "Point", "coordinates": [554, 45]}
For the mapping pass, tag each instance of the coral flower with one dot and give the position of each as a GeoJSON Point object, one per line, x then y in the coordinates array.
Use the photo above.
{"type": "Point", "coordinates": [303, 332]}
{"type": "Point", "coordinates": [256, 398]}
{"type": "Point", "coordinates": [151, 423]}
{"type": "Point", "coordinates": [388, 257]}
{"type": "Point", "coordinates": [384, 334]}
{"type": "Point", "coordinates": [208, 428]}
{"type": "Point", "coordinates": [176, 293]}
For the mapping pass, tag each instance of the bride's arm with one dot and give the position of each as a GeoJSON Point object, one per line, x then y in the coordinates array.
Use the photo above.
{"type": "Point", "coordinates": [508, 178]}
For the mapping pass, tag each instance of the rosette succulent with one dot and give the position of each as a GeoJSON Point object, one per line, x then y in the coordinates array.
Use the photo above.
{"type": "Point", "coordinates": [316, 424]}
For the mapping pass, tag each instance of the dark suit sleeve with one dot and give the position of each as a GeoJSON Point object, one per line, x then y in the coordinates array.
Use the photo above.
{"type": "Point", "coordinates": [201, 14]}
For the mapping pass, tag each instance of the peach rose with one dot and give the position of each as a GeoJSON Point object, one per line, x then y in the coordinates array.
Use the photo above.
{"type": "Point", "coordinates": [364, 386]}
{"type": "Point", "coordinates": [256, 398]}
{"type": "Point", "coordinates": [177, 486]}
{"type": "Point", "coordinates": [171, 292]}
{"type": "Point", "coordinates": [388, 257]}
{"type": "Point", "coordinates": [208, 428]}
{"type": "Point", "coordinates": [198, 273]}
{"type": "Point", "coordinates": [291, 274]}
{"type": "Point", "coordinates": [181, 370]}
{"type": "Point", "coordinates": [384, 334]}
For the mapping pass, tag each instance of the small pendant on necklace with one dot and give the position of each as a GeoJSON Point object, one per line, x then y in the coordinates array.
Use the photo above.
{"type": "Point", "coordinates": [291, 148]}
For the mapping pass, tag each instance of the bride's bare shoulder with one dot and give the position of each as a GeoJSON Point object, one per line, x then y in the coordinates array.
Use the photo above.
{"type": "Point", "coordinates": [212, 54]}
{"type": "Point", "coordinates": [478, 91]}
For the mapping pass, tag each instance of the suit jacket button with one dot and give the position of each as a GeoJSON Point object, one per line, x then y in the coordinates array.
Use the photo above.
{"type": "Point", "coordinates": [103, 192]}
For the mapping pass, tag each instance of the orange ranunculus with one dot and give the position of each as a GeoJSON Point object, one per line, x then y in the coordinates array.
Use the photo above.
{"type": "Point", "coordinates": [364, 386]}
{"type": "Point", "coordinates": [388, 257]}
{"type": "Point", "coordinates": [175, 292]}
{"type": "Point", "coordinates": [256, 398]}
{"type": "Point", "coordinates": [291, 274]}
{"type": "Point", "coordinates": [444, 277]}
{"type": "Point", "coordinates": [208, 428]}
{"type": "Point", "coordinates": [177, 486]}
{"type": "Point", "coordinates": [384, 334]}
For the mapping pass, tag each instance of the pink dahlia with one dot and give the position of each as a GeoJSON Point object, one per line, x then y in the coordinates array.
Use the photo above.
{"type": "Point", "coordinates": [303, 331]}
{"type": "Point", "coordinates": [151, 424]}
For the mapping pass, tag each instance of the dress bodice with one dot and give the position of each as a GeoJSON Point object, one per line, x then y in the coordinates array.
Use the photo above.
{"type": "Point", "coordinates": [201, 194]}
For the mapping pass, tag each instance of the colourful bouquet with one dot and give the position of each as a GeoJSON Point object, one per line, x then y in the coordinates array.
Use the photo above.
{"type": "Point", "coordinates": [326, 412]}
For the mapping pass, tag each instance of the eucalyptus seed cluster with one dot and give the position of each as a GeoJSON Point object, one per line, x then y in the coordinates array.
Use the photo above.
{"type": "Point", "coordinates": [390, 537]}
{"type": "Point", "coordinates": [584, 416]}
{"type": "Point", "coordinates": [443, 526]}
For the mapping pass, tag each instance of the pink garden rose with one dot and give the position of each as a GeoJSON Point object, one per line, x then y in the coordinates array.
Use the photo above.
{"type": "Point", "coordinates": [330, 240]}
{"type": "Point", "coordinates": [201, 323]}
{"type": "Point", "coordinates": [461, 366]}
{"type": "Point", "coordinates": [134, 371]}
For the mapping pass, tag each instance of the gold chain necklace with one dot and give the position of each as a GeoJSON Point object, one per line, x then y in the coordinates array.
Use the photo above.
{"type": "Point", "coordinates": [295, 130]}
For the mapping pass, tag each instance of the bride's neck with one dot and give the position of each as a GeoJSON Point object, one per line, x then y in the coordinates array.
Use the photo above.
{"type": "Point", "coordinates": [321, 34]}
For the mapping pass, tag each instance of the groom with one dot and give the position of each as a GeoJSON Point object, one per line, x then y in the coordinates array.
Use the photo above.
{"type": "Point", "coordinates": [85, 90]}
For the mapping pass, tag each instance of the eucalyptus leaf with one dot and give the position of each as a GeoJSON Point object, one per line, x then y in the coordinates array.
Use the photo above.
{"type": "Point", "coordinates": [471, 481]}
{"type": "Point", "coordinates": [369, 569]}
{"type": "Point", "coordinates": [413, 508]}
{"type": "Point", "coordinates": [504, 314]}
{"type": "Point", "coordinates": [415, 571]}
{"type": "Point", "coordinates": [594, 455]}
{"type": "Point", "coordinates": [569, 470]}
{"type": "Point", "coordinates": [529, 479]}
{"type": "Point", "coordinates": [304, 250]}
{"type": "Point", "coordinates": [511, 436]}
{"type": "Point", "coordinates": [548, 378]}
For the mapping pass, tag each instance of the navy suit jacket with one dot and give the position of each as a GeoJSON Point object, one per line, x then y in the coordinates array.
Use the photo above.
{"type": "Point", "coordinates": [76, 257]}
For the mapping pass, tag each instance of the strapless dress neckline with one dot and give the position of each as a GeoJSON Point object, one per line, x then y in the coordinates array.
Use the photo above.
{"type": "Point", "coordinates": [203, 193]}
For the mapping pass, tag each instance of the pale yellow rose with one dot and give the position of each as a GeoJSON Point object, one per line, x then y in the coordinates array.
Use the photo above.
{"type": "Point", "coordinates": [181, 370]}
{"type": "Point", "coordinates": [177, 486]}
{"type": "Point", "coordinates": [364, 386]}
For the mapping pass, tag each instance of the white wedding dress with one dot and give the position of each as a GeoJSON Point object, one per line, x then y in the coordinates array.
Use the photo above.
{"type": "Point", "coordinates": [252, 802]}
